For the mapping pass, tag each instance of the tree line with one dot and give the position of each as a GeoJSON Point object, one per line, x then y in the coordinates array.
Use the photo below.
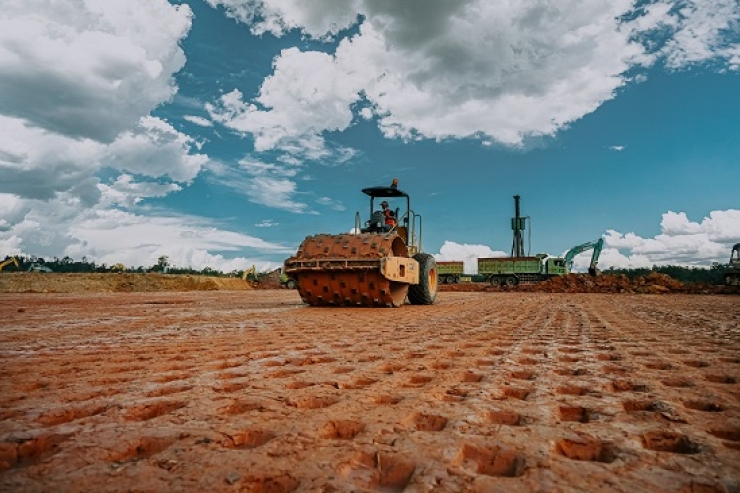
{"type": "Point", "coordinates": [712, 275]}
{"type": "Point", "coordinates": [68, 265]}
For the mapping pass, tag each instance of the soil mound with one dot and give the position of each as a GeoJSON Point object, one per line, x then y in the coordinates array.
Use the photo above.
{"type": "Point", "coordinates": [653, 283]}
{"type": "Point", "coordinates": [36, 282]}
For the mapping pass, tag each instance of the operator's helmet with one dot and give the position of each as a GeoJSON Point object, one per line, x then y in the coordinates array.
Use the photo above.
{"type": "Point", "coordinates": [384, 204]}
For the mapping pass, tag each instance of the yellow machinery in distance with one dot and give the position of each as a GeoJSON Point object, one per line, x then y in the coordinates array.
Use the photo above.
{"type": "Point", "coordinates": [8, 261]}
{"type": "Point", "coordinates": [274, 277]}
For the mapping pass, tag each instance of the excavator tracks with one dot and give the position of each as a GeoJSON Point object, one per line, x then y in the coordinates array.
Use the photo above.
{"type": "Point", "coordinates": [345, 270]}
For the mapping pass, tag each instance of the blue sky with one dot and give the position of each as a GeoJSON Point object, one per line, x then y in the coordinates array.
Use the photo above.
{"type": "Point", "coordinates": [221, 132]}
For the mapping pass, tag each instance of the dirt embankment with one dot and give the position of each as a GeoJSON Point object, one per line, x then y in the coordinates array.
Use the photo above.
{"type": "Point", "coordinates": [35, 282]}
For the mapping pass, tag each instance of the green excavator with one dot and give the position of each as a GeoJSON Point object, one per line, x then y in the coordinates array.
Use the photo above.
{"type": "Point", "coordinates": [597, 246]}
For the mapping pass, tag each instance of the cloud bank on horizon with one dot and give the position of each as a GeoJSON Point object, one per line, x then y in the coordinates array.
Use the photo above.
{"type": "Point", "coordinates": [81, 153]}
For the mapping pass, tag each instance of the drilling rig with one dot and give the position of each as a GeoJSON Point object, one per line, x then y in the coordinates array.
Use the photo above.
{"type": "Point", "coordinates": [520, 269]}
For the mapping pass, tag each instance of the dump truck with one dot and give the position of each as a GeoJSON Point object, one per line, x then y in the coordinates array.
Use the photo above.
{"type": "Point", "coordinates": [376, 265]}
{"type": "Point", "coordinates": [510, 271]}
{"type": "Point", "coordinates": [450, 271]}
{"type": "Point", "coordinates": [732, 270]}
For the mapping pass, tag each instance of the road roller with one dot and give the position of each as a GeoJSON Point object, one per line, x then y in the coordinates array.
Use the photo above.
{"type": "Point", "coordinates": [380, 263]}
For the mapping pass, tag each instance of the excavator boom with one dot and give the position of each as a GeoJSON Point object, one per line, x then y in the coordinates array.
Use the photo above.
{"type": "Point", "coordinates": [8, 261]}
{"type": "Point", "coordinates": [597, 246]}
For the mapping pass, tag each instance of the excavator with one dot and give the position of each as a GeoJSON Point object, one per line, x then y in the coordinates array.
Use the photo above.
{"type": "Point", "coordinates": [37, 267]}
{"type": "Point", "coordinates": [597, 246]}
{"type": "Point", "coordinates": [378, 265]}
{"type": "Point", "coordinates": [255, 278]}
{"type": "Point", "coordinates": [8, 261]}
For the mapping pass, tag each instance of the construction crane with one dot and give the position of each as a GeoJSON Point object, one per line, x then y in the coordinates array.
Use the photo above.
{"type": "Point", "coordinates": [597, 246]}
{"type": "Point", "coordinates": [8, 261]}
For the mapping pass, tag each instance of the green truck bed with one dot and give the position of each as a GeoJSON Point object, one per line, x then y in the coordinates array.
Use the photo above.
{"type": "Point", "coordinates": [509, 265]}
{"type": "Point", "coordinates": [449, 267]}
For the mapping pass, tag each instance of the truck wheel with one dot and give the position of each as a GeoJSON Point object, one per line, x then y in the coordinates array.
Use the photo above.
{"type": "Point", "coordinates": [425, 292]}
{"type": "Point", "coordinates": [290, 284]}
{"type": "Point", "coordinates": [494, 281]}
{"type": "Point", "coordinates": [511, 281]}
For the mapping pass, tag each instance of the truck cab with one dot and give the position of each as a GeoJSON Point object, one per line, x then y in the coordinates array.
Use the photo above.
{"type": "Point", "coordinates": [554, 266]}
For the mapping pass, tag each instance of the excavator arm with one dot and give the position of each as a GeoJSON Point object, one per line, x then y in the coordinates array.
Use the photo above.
{"type": "Point", "coordinates": [592, 267]}
{"type": "Point", "coordinates": [597, 246]}
{"type": "Point", "coordinates": [11, 260]}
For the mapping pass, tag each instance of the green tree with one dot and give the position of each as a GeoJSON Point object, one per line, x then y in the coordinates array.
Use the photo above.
{"type": "Point", "coordinates": [163, 264]}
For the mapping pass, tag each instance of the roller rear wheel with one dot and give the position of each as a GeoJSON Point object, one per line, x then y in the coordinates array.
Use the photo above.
{"type": "Point", "coordinates": [425, 292]}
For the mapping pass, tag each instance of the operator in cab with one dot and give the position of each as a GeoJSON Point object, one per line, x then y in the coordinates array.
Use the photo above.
{"type": "Point", "coordinates": [390, 217]}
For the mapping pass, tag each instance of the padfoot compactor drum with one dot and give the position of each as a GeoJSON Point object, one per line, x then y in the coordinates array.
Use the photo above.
{"type": "Point", "coordinates": [378, 265]}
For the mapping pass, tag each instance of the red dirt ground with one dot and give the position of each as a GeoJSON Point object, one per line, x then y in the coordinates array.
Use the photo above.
{"type": "Point", "coordinates": [252, 391]}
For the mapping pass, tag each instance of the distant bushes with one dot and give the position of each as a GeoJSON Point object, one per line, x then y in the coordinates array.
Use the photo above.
{"type": "Point", "coordinates": [713, 275]}
{"type": "Point", "coordinates": [68, 265]}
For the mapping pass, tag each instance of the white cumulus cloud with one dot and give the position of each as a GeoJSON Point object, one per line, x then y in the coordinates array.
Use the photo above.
{"type": "Point", "coordinates": [702, 30]}
{"type": "Point", "coordinates": [117, 236]}
{"type": "Point", "coordinates": [89, 69]}
{"type": "Point", "coordinates": [155, 149]}
{"type": "Point", "coordinates": [198, 120]}
{"type": "Point", "coordinates": [333, 204]}
{"type": "Point", "coordinates": [493, 69]}
{"type": "Point", "coordinates": [128, 192]}
{"type": "Point", "coordinates": [78, 81]}
{"type": "Point", "coordinates": [469, 254]}
{"type": "Point", "coordinates": [266, 223]}
{"type": "Point", "coordinates": [318, 18]}
{"type": "Point", "coordinates": [681, 241]}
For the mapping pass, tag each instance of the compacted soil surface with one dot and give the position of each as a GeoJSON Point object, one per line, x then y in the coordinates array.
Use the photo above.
{"type": "Point", "coordinates": [252, 391]}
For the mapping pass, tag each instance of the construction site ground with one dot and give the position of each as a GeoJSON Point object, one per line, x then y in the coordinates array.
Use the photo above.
{"type": "Point", "coordinates": [118, 387]}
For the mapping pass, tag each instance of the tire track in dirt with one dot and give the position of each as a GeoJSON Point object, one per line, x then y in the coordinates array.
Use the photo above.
{"type": "Point", "coordinates": [481, 391]}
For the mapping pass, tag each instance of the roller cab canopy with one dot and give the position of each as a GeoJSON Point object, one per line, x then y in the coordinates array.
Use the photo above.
{"type": "Point", "coordinates": [386, 192]}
